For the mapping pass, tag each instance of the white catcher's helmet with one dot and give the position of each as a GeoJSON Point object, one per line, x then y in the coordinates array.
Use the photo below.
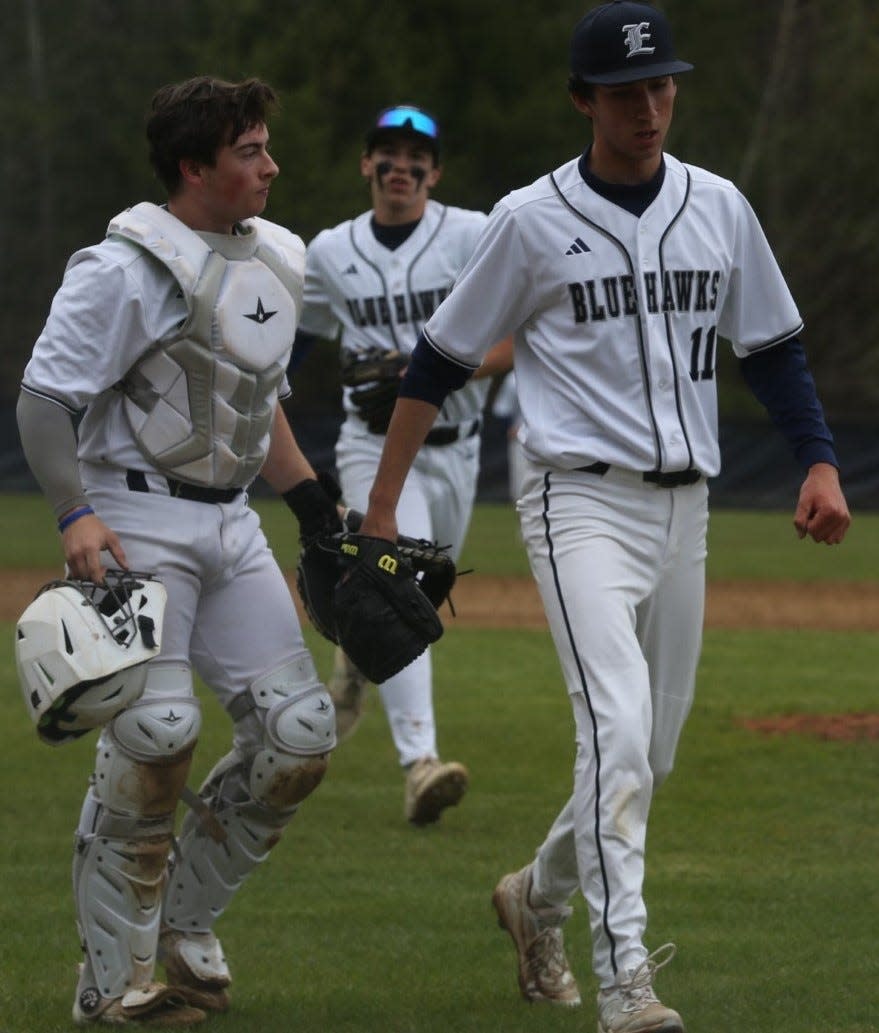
{"type": "Point", "coordinates": [81, 650]}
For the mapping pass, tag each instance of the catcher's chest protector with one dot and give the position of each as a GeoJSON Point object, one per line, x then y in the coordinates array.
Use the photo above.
{"type": "Point", "coordinates": [201, 405]}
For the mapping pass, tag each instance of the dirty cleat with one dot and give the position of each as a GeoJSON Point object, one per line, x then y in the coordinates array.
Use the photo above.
{"type": "Point", "coordinates": [544, 973]}
{"type": "Point", "coordinates": [347, 689]}
{"type": "Point", "coordinates": [431, 786]}
{"type": "Point", "coordinates": [152, 1005]}
{"type": "Point", "coordinates": [195, 965]}
{"type": "Point", "coordinates": [631, 1006]}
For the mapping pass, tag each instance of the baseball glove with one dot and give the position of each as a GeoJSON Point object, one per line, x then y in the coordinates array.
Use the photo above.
{"type": "Point", "coordinates": [383, 619]}
{"type": "Point", "coordinates": [374, 375]}
{"type": "Point", "coordinates": [425, 576]}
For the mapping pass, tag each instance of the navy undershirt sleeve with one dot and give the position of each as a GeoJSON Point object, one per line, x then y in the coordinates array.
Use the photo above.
{"type": "Point", "coordinates": [430, 376]}
{"type": "Point", "coordinates": [780, 379]}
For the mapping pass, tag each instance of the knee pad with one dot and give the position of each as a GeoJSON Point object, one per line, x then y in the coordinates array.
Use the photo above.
{"type": "Point", "coordinates": [144, 754]}
{"type": "Point", "coordinates": [297, 735]}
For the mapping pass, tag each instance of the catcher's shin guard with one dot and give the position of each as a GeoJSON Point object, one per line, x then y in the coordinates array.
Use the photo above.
{"type": "Point", "coordinates": [124, 836]}
{"type": "Point", "coordinates": [285, 730]}
{"type": "Point", "coordinates": [118, 878]}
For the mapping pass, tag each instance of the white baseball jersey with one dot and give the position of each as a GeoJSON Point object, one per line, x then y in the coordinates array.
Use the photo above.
{"type": "Point", "coordinates": [616, 318]}
{"type": "Point", "coordinates": [381, 298]}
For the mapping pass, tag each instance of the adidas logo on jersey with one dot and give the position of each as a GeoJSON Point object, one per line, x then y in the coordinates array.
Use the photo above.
{"type": "Point", "coordinates": [579, 247]}
{"type": "Point", "coordinates": [350, 270]}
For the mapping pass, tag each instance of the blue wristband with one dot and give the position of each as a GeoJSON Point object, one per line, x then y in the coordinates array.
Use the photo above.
{"type": "Point", "coordinates": [73, 516]}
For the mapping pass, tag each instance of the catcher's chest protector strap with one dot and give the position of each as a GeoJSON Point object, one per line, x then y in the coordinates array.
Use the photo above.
{"type": "Point", "coordinates": [201, 405]}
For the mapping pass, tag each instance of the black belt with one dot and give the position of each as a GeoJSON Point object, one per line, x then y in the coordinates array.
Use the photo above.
{"type": "Point", "coordinates": [448, 435]}
{"type": "Point", "coordinates": [136, 481]}
{"type": "Point", "coordinates": [671, 479]}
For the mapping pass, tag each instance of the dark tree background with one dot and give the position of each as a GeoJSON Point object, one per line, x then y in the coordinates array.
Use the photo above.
{"type": "Point", "coordinates": [782, 101]}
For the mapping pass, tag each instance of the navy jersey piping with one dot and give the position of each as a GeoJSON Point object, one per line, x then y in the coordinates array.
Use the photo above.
{"type": "Point", "coordinates": [642, 351]}
{"type": "Point", "coordinates": [449, 358]}
{"type": "Point", "coordinates": [380, 275]}
{"type": "Point", "coordinates": [775, 340]}
{"type": "Point", "coordinates": [667, 319]}
{"type": "Point", "coordinates": [418, 325]}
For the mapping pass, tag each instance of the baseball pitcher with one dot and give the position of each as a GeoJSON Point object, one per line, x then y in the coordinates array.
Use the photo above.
{"type": "Point", "coordinates": [619, 275]}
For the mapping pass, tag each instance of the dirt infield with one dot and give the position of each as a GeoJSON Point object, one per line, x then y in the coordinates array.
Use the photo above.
{"type": "Point", "coordinates": [508, 602]}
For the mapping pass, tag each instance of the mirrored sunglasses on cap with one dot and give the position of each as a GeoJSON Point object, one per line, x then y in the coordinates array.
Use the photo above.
{"type": "Point", "coordinates": [406, 117]}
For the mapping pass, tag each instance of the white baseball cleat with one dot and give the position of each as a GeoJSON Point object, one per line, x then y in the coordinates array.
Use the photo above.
{"type": "Point", "coordinates": [195, 965]}
{"type": "Point", "coordinates": [544, 973]}
{"type": "Point", "coordinates": [631, 1006]}
{"type": "Point", "coordinates": [431, 786]}
{"type": "Point", "coordinates": [347, 689]}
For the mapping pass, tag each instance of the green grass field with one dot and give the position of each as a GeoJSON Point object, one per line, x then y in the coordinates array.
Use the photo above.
{"type": "Point", "coordinates": [761, 854]}
{"type": "Point", "coordinates": [743, 545]}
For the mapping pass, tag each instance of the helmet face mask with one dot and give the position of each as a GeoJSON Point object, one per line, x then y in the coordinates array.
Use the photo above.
{"type": "Point", "coordinates": [81, 650]}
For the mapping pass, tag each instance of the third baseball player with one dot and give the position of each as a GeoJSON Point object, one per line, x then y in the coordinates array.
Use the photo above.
{"type": "Point", "coordinates": [374, 281]}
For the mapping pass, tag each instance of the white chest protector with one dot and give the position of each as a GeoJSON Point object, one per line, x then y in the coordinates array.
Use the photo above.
{"type": "Point", "coordinates": [201, 403]}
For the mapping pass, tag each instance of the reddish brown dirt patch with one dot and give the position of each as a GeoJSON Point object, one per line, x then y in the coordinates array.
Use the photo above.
{"type": "Point", "coordinates": [19, 587]}
{"type": "Point", "coordinates": [818, 605]}
{"type": "Point", "coordinates": [511, 602]}
{"type": "Point", "coordinates": [834, 727]}
{"type": "Point", "coordinates": [508, 602]}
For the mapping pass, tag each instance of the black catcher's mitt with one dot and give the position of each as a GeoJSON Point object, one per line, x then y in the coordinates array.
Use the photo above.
{"type": "Point", "coordinates": [383, 619]}
{"type": "Point", "coordinates": [375, 376]}
{"type": "Point", "coordinates": [425, 576]}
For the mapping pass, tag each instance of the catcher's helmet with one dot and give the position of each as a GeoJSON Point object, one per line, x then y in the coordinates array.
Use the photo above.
{"type": "Point", "coordinates": [81, 650]}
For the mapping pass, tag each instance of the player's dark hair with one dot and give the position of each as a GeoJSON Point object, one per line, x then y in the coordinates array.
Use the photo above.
{"type": "Point", "coordinates": [195, 118]}
{"type": "Point", "coordinates": [578, 88]}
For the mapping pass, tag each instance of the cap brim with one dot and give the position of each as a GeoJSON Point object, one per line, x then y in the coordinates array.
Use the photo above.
{"type": "Point", "coordinates": [634, 74]}
{"type": "Point", "coordinates": [375, 136]}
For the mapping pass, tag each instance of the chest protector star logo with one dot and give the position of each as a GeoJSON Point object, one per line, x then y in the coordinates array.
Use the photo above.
{"type": "Point", "coordinates": [260, 316]}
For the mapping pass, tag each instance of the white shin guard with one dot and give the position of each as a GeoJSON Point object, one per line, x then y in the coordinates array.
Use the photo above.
{"type": "Point", "coordinates": [118, 878]}
{"type": "Point", "coordinates": [123, 840]}
{"type": "Point", "coordinates": [207, 873]}
{"type": "Point", "coordinates": [284, 735]}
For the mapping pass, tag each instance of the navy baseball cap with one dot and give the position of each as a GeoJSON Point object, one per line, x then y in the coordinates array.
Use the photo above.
{"type": "Point", "coordinates": [404, 118]}
{"type": "Point", "coordinates": [623, 41]}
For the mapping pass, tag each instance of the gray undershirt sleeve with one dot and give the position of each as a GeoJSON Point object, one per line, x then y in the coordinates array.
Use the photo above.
{"type": "Point", "coordinates": [49, 441]}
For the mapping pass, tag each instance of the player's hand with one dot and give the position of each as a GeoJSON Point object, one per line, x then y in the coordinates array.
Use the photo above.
{"type": "Point", "coordinates": [822, 512]}
{"type": "Point", "coordinates": [83, 542]}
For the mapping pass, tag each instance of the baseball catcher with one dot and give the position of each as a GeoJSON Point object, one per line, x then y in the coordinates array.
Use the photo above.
{"type": "Point", "coordinates": [375, 376]}
{"type": "Point", "coordinates": [378, 600]}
